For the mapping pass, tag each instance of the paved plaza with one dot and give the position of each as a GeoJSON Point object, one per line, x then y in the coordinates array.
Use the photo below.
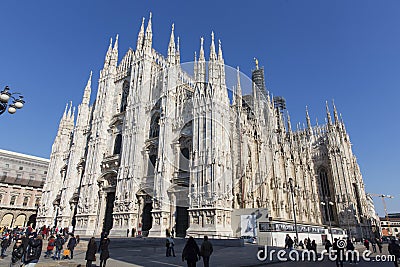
{"type": "Point", "coordinates": [151, 252]}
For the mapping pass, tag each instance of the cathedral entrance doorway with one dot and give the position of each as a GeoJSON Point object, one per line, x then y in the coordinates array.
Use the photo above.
{"type": "Point", "coordinates": [181, 221]}
{"type": "Point", "coordinates": [108, 217]}
{"type": "Point", "coordinates": [147, 219]}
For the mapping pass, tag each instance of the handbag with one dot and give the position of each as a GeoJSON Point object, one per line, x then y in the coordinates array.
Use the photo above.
{"type": "Point", "coordinates": [66, 252]}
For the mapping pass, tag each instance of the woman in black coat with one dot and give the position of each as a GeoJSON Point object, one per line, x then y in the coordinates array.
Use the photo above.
{"type": "Point", "coordinates": [91, 252]}
{"type": "Point", "coordinates": [105, 254]}
{"type": "Point", "coordinates": [191, 252]}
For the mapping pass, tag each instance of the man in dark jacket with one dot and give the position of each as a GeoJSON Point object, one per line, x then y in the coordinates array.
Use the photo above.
{"type": "Point", "coordinates": [33, 251]}
{"type": "Point", "coordinates": [17, 253]}
{"type": "Point", "coordinates": [191, 252]}
{"type": "Point", "coordinates": [206, 250]}
{"type": "Point", "coordinates": [71, 245]}
{"type": "Point", "coordinates": [394, 249]}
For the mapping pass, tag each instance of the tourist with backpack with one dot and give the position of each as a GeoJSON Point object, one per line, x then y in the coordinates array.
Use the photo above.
{"type": "Point", "coordinates": [59, 246]}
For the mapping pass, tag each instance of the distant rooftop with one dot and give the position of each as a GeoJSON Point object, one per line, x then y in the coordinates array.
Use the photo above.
{"type": "Point", "coordinates": [20, 155]}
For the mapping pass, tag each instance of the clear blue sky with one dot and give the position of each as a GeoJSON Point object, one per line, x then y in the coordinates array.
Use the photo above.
{"type": "Point", "coordinates": [312, 51]}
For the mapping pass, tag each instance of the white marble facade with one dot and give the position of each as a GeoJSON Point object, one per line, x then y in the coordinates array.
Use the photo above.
{"type": "Point", "coordinates": [161, 148]}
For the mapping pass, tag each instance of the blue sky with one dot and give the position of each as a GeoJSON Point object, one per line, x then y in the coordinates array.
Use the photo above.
{"type": "Point", "coordinates": [312, 51]}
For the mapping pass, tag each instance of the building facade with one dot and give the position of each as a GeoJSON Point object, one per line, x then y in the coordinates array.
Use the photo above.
{"type": "Point", "coordinates": [21, 183]}
{"type": "Point", "coordinates": [390, 225]}
{"type": "Point", "coordinates": [161, 148]}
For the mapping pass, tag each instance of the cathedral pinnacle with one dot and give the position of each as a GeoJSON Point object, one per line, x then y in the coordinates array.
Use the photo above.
{"type": "Point", "coordinates": [335, 114]}
{"type": "Point", "coordinates": [149, 34]}
{"type": "Point", "coordinates": [289, 124]}
{"type": "Point", "coordinates": [220, 51]}
{"type": "Point", "coordinates": [213, 55]}
{"type": "Point", "coordinates": [328, 114]}
{"type": "Point", "coordinates": [88, 89]}
{"type": "Point", "coordinates": [171, 46]}
{"type": "Point", "coordinates": [108, 54]}
{"type": "Point", "coordinates": [308, 119]}
{"type": "Point", "coordinates": [140, 39]}
{"type": "Point", "coordinates": [201, 55]}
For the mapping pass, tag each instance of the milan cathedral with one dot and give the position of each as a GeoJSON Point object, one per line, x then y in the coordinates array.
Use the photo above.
{"type": "Point", "coordinates": [161, 149]}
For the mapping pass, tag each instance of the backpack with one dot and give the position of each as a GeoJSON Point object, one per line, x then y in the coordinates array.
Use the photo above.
{"type": "Point", "coordinates": [59, 243]}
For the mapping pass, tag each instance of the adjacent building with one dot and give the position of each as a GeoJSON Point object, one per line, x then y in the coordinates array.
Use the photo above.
{"type": "Point", "coordinates": [21, 181]}
{"type": "Point", "coordinates": [390, 225]}
{"type": "Point", "coordinates": [163, 148]}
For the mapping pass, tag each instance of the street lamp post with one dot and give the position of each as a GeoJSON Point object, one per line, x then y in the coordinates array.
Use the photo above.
{"type": "Point", "coordinates": [294, 210]}
{"type": "Point", "coordinates": [5, 96]}
{"type": "Point", "coordinates": [326, 203]}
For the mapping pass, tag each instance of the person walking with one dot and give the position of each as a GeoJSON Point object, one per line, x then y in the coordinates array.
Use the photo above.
{"type": "Point", "coordinates": [171, 245]}
{"type": "Point", "coordinates": [339, 253]}
{"type": "Point", "coordinates": [127, 232]}
{"type": "Point", "coordinates": [91, 252]}
{"type": "Point", "coordinates": [71, 245]}
{"type": "Point", "coordinates": [105, 254]}
{"type": "Point", "coordinates": [314, 246]}
{"type": "Point", "coordinates": [289, 243]}
{"type": "Point", "coordinates": [206, 250]}
{"type": "Point", "coordinates": [50, 246]}
{"type": "Point", "coordinates": [133, 232]}
{"type": "Point", "coordinates": [350, 251]}
{"type": "Point", "coordinates": [17, 254]}
{"type": "Point", "coordinates": [191, 252]}
{"type": "Point", "coordinates": [33, 251]}
{"type": "Point", "coordinates": [328, 246]}
{"type": "Point", "coordinates": [59, 246]}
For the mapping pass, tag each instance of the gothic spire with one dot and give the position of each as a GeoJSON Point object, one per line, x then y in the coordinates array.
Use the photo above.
{"type": "Point", "coordinates": [88, 90]}
{"type": "Point", "coordinates": [171, 46]}
{"type": "Point", "coordinates": [289, 124]}
{"type": "Point", "coordinates": [220, 58]}
{"type": "Point", "coordinates": [69, 110]}
{"type": "Point", "coordinates": [201, 66]}
{"type": "Point", "coordinates": [238, 91]}
{"type": "Point", "coordinates": [65, 111]}
{"type": "Point", "coordinates": [114, 55]}
{"type": "Point", "coordinates": [108, 54]}
{"type": "Point", "coordinates": [140, 38]}
{"type": "Point", "coordinates": [335, 114]}
{"type": "Point", "coordinates": [328, 114]}
{"type": "Point", "coordinates": [213, 55]}
{"type": "Point", "coordinates": [308, 119]}
{"type": "Point", "coordinates": [148, 39]}
{"type": "Point", "coordinates": [201, 54]}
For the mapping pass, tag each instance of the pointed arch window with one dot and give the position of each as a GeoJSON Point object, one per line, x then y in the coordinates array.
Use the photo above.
{"type": "Point", "coordinates": [118, 144]}
{"type": "Point", "coordinates": [124, 98]}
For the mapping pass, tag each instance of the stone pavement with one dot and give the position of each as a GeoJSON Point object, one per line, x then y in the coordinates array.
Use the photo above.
{"type": "Point", "coordinates": [126, 252]}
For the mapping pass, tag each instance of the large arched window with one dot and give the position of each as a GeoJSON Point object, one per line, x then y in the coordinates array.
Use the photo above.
{"type": "Point", "coordinates": [124, 98]}
{"type": "Point", "coordinates": [326, 195]}
{"type": "Point", "coordinates": [323, 177]}
{"type": "Point", "coordinates": [155, 126]}
{"type": "Point", "coordinates": [117, 144]}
